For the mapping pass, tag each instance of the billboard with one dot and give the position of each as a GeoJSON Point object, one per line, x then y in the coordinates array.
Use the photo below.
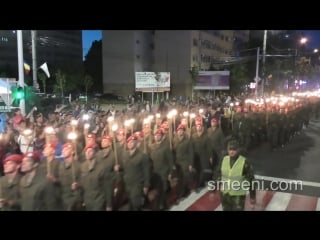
{"type": "Point", "coordinates": [152, 81]}
{"type": "Point", "coordinates": [212, 80]}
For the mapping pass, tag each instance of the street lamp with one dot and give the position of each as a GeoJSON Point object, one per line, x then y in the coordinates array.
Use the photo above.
{"type": "Point", "coordinates": [20, 67]}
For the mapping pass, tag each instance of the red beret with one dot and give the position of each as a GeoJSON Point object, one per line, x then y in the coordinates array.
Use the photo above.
{"type": "Point", "coordinates": [35, 155]}
{"type": "Point", "coordinates": [120, 132]}
{"type": "Point", "coordinates": [158, 131]}
{"type": "Point", "coordinates": [91, 145]}
{"type": "Point", "coordinates": [139, 134]}
{"type": "Point", "coordinates": [132, 137]}
{"type": "Point", "coordinates": [164, 126]}
{"type": "Point", "coordinates": [214, 120]}
{"type": "Point", "coordinates": [181, 126]}
{"type": "Point", "coordinates": [107, 137]}
{"type": "Point", "coordinates": [67, 145]}
{"type": "Point", "coordinates": [198, 119]}
{"type": "Point", "coordinates": [52, 145]}
{"type": "Point", "coordinates": [14, 157]}
{"type": "Point", "coordinates": [199, 123]}
{"type": "Point", "coordinates": [91, 135]}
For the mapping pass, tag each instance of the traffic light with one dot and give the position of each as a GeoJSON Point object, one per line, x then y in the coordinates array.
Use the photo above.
{"type": "Point", "coordinates": [17, 95]}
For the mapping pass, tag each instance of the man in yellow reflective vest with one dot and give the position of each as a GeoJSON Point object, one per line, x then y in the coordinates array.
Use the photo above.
{"type": "Point", "coordinates": [234, 178]}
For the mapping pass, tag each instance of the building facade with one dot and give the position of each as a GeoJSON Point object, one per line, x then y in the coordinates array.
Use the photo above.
{"type": "Point", "coordinates": [125, 52]}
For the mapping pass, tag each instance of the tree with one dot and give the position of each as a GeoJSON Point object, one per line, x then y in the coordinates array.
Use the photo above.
{"type": "Point", "coordinates": [88, 82]}
{"type": "Point", "coordinates": [238, 77]}
{"type": "Point", "coordinates": [60, 85]}
{"type": "Point", "coordinates": [93, 65]}
{"type": "Point", "coordinates": [43, 78]}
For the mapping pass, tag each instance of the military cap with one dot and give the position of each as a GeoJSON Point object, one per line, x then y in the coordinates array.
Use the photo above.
{"type": "Point", "coordinates": [91, 135]}
{"type": "Point", "coordinates": [36, 156]}
{"type": "Point", "coordinates": [67, 145]}
{"type": "Point", "coordinates": [158, 131]}
{"type": "Point", "coordinates": [214, 120]}
{"type": "Point", "coordinates": [91, 145]}
{"type": "Point", "coordinates": [181, 127]}
{"type": "Point", "coordinates": [53, 145]}
{"type": "Point", "coordinates": [107, 137]}
{"type": "Point", "coordinates": [14, 157]}
{"type": "Point", "coordinates": [131, 138]}
{"type": "Point", "coordinates": [233, 144]}
{"type": "Point", "coordinates": [165, 126]}
{"type": "Point", "coordinates": [139, 134]}
{"type": "Point", "coordinates": [120, 132]}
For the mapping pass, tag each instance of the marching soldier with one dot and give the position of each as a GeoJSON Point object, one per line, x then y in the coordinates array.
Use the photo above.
{"type": "Point", "coordinates": [162, 159]}
{"type": "Point", "coordinates": [202, 154]}
{"type": "Point", "coordinates": [217, 140]}
{"type": "Point", "coordinates": [114, 179]}
{"type": "Point", "coordinates": [9, 184]}
{"type": "Point", "coordinates": [32, 184]}
{"type": "Point", "coordinates": [184, 158]}
{"type": "Point", "coordinates": [93, 180]}
{"type": "Point", "coordinates": [136, 174]}
{"type": "Point", "coordinates": [69, 174]}
{"type": "Point", "coordinates": [50, 167]}
{"type": "Point", "coordinates": [230, 177]}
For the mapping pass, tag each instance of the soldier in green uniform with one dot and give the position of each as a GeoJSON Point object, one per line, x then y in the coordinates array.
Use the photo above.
{"type": "Point", "coordinates": [217, 140]}
{"type": "Point", "coordinates": [93, 180]}
{"type": "Point", "coordinates": [50, 168]}
{"type": "Point", "coordinates": [234, 178]}
{"type": "Point", "coordinates": [9, 183]}
{"type": "Point", "coordinates": [162, 159]}
{"type": "Point", "coordinates": [183, 158]}
{"type": "Point", "coordinates": [69, 174]}
{"type": "Point", "coordinates": [107, 156]}
{"type": "Point", "coordinates": [136, 174]}
{"type": "Point", "coordinates": [32, 184]}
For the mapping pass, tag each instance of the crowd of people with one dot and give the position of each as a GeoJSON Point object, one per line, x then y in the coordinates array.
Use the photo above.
{"type": "Point", "coordinates": [142, 158]}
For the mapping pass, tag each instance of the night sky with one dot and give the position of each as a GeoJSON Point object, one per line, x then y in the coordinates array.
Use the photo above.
{"type": "Point", "coordinates": [313, 37]}
{"type": "Point", "coordinates": [88, 36]}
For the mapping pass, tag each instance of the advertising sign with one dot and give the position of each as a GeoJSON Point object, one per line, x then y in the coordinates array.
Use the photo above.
{"type": "Point", "coordinates": [213, 80]}
{"type": "Point", "coordinates": [152, 81]}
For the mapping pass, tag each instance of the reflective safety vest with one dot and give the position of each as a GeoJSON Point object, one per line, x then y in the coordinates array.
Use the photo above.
{"type": "Point", "coordinates": [232, 180]}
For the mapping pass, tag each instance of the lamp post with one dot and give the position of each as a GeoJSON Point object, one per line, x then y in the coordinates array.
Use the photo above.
{"type": "Point", "coordinates": [257, 73]}
{"type": "Point", "coordinates": [264, 61]}
{"type": "Point", "coordinates": [301, 42]}
{"type": "Point", "coordinates": [34, 59]}
{"type": "Point", "coordinates": [20, 67]}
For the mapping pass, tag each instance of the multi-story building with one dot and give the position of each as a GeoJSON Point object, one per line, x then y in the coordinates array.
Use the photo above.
{"type": "Point", "coordinates": [60, 49]}
{"type": "Point", "coordinates": [125, 52]}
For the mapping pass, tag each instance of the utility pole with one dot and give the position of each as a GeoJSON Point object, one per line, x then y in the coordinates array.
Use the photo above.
{"type": "Point", "coordinates": [257, 72]}
{"type": "Point", "coordinates": [34, 59]}
{"type": "Point", "coordinates": [20, 68]}
{"type": "Point", "coordinates": [264, 60]}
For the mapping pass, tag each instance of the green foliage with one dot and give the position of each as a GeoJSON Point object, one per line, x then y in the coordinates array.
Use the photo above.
{"type": "Point", "coordinates": [93, 65]}
{"type": "Point", "coordinates": [239, 77]}
{"type": "Point", "coordinates": [43, 78]}
{"type": "Point", "coordinates": [88, 82]}
{"type": "Point", "coordinates": [59, 87]}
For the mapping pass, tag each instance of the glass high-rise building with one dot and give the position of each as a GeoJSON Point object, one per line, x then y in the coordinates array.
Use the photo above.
{"type": "Point", "coordinates": [61, 49]}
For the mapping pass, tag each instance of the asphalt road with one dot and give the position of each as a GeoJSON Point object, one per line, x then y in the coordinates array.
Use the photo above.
{"type": "Point", "coordinates": [298, 161]}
